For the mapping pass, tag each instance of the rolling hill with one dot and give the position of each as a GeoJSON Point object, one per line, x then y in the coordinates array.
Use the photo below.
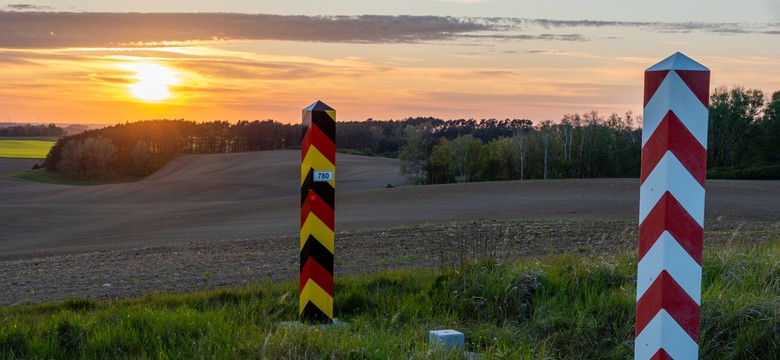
{"type": "Point", "coordinates": [246, 195]}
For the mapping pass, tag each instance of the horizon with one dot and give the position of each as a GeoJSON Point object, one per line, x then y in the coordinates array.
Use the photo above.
{"type": "Point", "coordinates": [88, 63]}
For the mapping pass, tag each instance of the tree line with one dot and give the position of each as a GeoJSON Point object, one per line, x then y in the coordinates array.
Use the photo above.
{"type": "Point", "coordinates": [50, 130]}
{"type": "Point", "coordinates": [386, 137]}
{"type": "Point", "coordinates": [743, 133]}
{"type": "Point", "coordinates": [742, 143]}
{"type": "Point", "coordinates": [586, 145]}
{"type": "Point", "coordinates": [140, 148]}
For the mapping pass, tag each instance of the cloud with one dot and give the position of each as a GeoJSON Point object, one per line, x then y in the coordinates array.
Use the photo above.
{"type": "Point", "coordinates": [59, 30]}
{"type": "Point", "coordinates": [13, 58]}
{"type": "Point", "coordinates": [53, 30]}
{"type": "Point", "coordinates": [551, 23]}
{"type": "Point", "coordinates": [28, 7]}
{"type": "Point", "coordinates": [668, 27]}
{"type": "Point", "coordinates": [231, 69]}
{"type": "Point", "coordinates": [466, 1]}
{"type": "Point", "coordinates": [545, 51]}
{"type": "Point", "coordinates": [545, 36]}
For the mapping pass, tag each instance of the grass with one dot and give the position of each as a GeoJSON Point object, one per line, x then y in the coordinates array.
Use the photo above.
{"type": "Point", "coordinates": [25, 149]}
{"type": "Point", "coordinates": [557, 307]}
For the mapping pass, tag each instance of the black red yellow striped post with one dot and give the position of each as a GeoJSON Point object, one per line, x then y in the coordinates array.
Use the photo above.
{"type": "Point", "coordinates": [318, 190]}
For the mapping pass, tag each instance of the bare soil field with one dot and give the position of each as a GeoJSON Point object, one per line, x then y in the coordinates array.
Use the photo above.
{"type": "Point", "coordinates": [207, 221]}
{"type": "Point", "coordinates": [10, 166]}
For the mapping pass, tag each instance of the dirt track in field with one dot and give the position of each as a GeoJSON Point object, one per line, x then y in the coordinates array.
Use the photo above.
{"type": "Point", "coordinates": [205, 221]}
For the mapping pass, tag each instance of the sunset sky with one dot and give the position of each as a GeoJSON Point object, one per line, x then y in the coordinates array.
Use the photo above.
{"type": "Point", "coordinates": [106, 62]}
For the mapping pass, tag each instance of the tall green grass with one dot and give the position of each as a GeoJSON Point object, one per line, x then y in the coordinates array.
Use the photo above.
{"type": "Point", "coordinates": [558, 307]}
{"type": "Point", "coordinates": [25, 149]}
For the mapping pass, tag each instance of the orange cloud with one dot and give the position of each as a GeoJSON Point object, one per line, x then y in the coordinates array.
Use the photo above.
{"type": "Point", "coordinates": [64, 67]}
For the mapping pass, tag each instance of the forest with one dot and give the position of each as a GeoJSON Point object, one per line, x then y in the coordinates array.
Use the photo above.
{"type": "Point", "coordinates": [140, 148]}
{"type": "Point", "coordinates": [29, 130]}
{"type": "Point", "coordinates": [744, 126]}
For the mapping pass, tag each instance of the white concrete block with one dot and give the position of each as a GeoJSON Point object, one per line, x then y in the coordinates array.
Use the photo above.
{"type": "Point", "coordinates": [446, 340]}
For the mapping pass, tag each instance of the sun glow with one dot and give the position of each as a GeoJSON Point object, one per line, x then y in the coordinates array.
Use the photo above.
{"type": "Point", "coordinates": [153, 81]}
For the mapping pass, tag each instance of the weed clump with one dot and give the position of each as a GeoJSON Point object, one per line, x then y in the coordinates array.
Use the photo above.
{"type": "Point", "coordinates": [554, 307]}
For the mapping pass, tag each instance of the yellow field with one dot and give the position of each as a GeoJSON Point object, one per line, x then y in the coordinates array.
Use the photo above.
{"type": "Point", "coordinates": [25, 149]}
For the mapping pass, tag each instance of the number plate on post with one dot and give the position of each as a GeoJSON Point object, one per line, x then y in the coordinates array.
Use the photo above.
{"type": "Point", "coordinates": [323, 175]}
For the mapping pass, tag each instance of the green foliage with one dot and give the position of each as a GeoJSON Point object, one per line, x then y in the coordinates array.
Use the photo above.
{"type": "Point", "coordinates": [142, 158]}
{"type": "Point", "coordinates": [473, 160]}
{"type": "Point", "coordinates": [91, 158]}
{"type": "Point", "coordinates": [138, 149]}
{"type": "Point", "coordinates": [741, 304]}
{"type": "Point", "coordinates": [440, 168]}
{"type": "Point", "coordinates": [732, 115]}
{"type": "Point", "coordinates": [460, 146]}
{"type": "Point", "coordinates": [765, 134]}
{"type": "Point", "coordinates": [50, 131]}
{"type": "Point", "coordinates": [753, 172]}
{"type": "Point", "coordinates": [370, 137]}
{"type": "Point", "coordinates": [25, 149]}
{"type": "Point", "coordinates": [585, 145]}
{"type": "Point", "coordinates": [413, 155]}
{"type": "Point", "coordinates": [215, 324]}
{"type": "Point", "coordinates": [743, 132]}
{"type": "Point", "coordinates": [557, 307]}
{"type": "Point", "coordinates": [488, 292]}
{"type": "Point", "coordinates": [500, 160]}
{"type": "Point", "coordinates": [591, 307]}
{"type": "Point", "coordinates": [742, 144]}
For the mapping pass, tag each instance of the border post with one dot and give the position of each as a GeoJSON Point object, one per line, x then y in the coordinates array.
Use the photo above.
{"type": "Point", "coordinates": [318, 189]}
{"type": "Point", "coordinates": [671, 209]}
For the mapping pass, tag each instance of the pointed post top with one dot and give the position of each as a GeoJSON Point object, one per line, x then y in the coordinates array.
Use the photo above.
{"type": "Point", "coordinates": [678, 61]}
{"type": "Point", "coordinates": [318, 106]}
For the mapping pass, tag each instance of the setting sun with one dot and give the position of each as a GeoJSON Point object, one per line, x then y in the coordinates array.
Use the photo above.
{"type": "Point", "coordinates": [153, 81]}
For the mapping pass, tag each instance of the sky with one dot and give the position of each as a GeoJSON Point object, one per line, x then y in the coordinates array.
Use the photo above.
{"type": "Point", "coordinates": [108, 62]}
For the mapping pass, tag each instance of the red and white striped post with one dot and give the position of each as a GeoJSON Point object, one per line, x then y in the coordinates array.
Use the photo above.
{"type": "Point", "coordinates": [671, 209]}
